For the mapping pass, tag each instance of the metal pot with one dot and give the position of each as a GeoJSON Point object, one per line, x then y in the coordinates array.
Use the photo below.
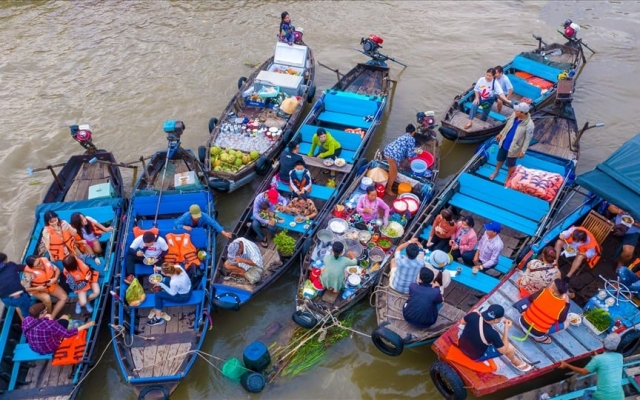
{"type": "Point", "coordinates": [325, 237]}
{"type": "Point", "coordinates": [353, 246]}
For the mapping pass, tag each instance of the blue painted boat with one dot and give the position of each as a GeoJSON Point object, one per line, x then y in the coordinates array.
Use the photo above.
{"type": "Point", "coordinates": [357, 101]}
{"type": "Point", "coordinates": [537, 77]}
{"type": "Point", "coordinates": [91, 184]}
{"type": "Point", "coordinates": [154, 359]}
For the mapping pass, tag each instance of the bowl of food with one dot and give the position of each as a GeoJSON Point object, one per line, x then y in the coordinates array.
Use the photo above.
{"type": "Point", "coordinates": [569, 249]}
{"type": "Point", "coordinates": [338, 226]}
{"type": "Point", "coordinates": [574, 319]}
{"type": "Point", "coordinates": [364, 237]}
{"type": "Point", "coordinates": [155, 279]}
{"type": "Point", "coordinates": [149, 261]}
{"type": "Point", "coordinates": [385, 243]}
{"type": "Point", "coordinates": [327, 162]}
{"type": "Point", "coordinates": [371, 245]}
{"type": "Point", "coordinates": [394, 230]}
{"type": "Point", "coordinates": [626, 219]}
{"type": "Point", "coordinates": [292, 224]}
{"type": "Point", "coordinates": [299, 219]}
{"type": "Point", "coordinates": [340, 162]}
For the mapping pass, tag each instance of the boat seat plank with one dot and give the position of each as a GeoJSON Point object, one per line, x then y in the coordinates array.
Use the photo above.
{"type": "Point", "coordinates": [348, 155]}
{"type": "Point", "coordinates": [535, 68]}
{"type": "Point", "coordinates": [487, 169]}
{"type": "Point", "coordinates": [359, 106]}
{"type": "Point", "coordinates": [23, 352]}
{"type": "Point", "coordinates": [288, 219]}
{"type": "Point", "coordinates": [494, 213]}
{"type": "Point", "coordinates": [480, 281]}
{"type": "Point", "coordinates": [101, 214]}
{"type": "Point", "coordinates": [317, 191]}
{"type": "Point", "coordinates": [528, 161]}
{"type": "Point", "coordinates": [171, 204]}
{"type": "Point", "coordinates": [348, 141]}
{"type": "Point", "coordinates": [347, 120]}
{"type": "Point", "coordinates": [493, 114]}
{"type": "Point", "coordinates": [196, 298]}
{"type": "Point", "coordinates": [524, 88]}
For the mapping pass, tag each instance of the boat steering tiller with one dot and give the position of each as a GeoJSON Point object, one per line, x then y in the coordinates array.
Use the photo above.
{"type": "Point", "coordinates": [371, 48]}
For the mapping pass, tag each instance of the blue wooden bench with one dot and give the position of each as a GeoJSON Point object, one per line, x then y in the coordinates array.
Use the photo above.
{"type": "Point", "coordinates": [288, 219]}
{"type": "Point", "coordinates": [348, 141]}
{"type": "Point", "coordinates": [494, 213]}
{"type": "Point", "coordinates": [535, 68]}
{"type": "Point", "coordinates": [511, 200]}
{"type": "Point", "coordinates": [487, 169]}
{"type": "Point", "coordinates": [317, 191]}
{"type": "Point", "coordinates": [353, 104]}
{"type": "Point", "coordinates": [530, 160]}
{"type": "Point", "coordinates": [100, 214]}
{"type": "Point", "coordinates": [492, 114]}
{"type": "Point", "coordinates": [164, 225]}
{"type": "Point", "coordinates": [171, 204]}
{"type": "Point", "coordinates": [524, 88]}
{"type": "Point", "coordinates": [23, 353]}
{"type": "Point", "coordinates": [348, 155]}
{"type": "Point", "coordinates": [480, 281]}
{"type": "Point", "coordinates": [347, 120]}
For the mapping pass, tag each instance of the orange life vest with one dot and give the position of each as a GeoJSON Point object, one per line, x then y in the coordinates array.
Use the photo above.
{"type": "Point", "coordinates": [181, 250]}
{"type": "Point", "coordinates": [39, 277]}
{"type": "Point", "coordinates": [80, 276]}
{"type": "Point", "coordinates": [137, 231]}
{"type": "Point", "coordinates": [71, 350]}
{"type": "Point", "coordinates": [57, 244]}
{"type": "Point", "coordinates": [633, 265]}
{"type": "Point", "coordinates": [583, 248]}
{"type": "Point", "coordinates": [544, 311]}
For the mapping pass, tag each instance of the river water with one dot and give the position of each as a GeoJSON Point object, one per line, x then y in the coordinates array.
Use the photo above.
{"type": "Point", "coordinates": [125, 67]}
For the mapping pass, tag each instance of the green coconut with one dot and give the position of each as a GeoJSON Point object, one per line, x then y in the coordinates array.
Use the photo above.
{"type": "Point", "coordinates": [215, 150]}
{"type": "Point", "coordinates": [238, 162]}
{"type": "Point", "coordinates": [231, 159]}
{"type": "Point", "coordinates": [254, 155]}
{"type": "Point", "coordinates": [224, 157]}
{"type": "Point", "coordinates": [246, 159]}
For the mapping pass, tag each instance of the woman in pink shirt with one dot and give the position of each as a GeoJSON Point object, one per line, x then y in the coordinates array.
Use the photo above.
{"type": "Point", "coordinates": [464, 240]}
{"type": "Point", "coordinates": [369, 206]}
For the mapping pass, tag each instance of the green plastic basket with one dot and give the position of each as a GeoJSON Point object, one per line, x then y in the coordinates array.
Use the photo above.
{"type": "Point", "coordinates": [233, 369]}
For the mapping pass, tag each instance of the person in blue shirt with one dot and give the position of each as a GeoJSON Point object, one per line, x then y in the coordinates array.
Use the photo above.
{"type": "Point", "coordinates": [421, 308]}
{"type": "Point", "coordinates": [514, 139]}
{"type": "Point", "coordinates": [403, 148]}
{"type": "Point", "coordinates": [288, 160]}
{"type": "Point", "coordinates": [195, 218]}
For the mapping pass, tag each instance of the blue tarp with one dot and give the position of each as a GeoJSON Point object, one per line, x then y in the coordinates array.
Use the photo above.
{"type": "Point", "coordinates": [617, 179]}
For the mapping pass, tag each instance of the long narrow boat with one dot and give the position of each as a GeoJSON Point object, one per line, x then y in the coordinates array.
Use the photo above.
{"type": "Point", "coordinates": [613, 181]}
{"type": "Point", "coordinates": [315, 306]}
{"type": "Point", "coordinates": [575, 386]}
{"type": "Point", "coordinates": [89, 183]}
{"type": "Point", "coordinates": [524, 218]}
{"type": "Point", "coordinates": [536, 79]}
{"type": "Point", "coordinates": [289, 73]}
{"type": "Point", "coordinates": [155, 359]}
{"type": "Point", "coordinates": [358, 100]}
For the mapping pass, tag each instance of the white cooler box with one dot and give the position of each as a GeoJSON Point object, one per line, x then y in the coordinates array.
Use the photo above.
{"type": "Point", "coordinates": [289, 84]}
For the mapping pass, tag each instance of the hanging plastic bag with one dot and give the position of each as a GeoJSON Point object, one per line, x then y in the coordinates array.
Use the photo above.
{"type": "Point", "coordinates": [135, 293]}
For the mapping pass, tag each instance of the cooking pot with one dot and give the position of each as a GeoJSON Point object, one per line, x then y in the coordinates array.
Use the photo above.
{"type": "Point", "coordinates": [365, 183]}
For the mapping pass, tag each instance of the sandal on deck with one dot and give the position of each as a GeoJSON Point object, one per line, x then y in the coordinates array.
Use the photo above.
{"type": "Point", "coordinates": [524, 367]}
{"type": "Point", "coordinates": [264, 244]}
{"type": "Point", "coordinates": [546, 340]}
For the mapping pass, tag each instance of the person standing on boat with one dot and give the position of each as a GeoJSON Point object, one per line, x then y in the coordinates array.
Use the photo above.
{"type": "Point", "coordinates": [195, 218]}
{"type": "Point", "coordinates": [147, 245]}
{"type": "Point", "coordinates": [178, 290]}
{"type": "Point", "coordinates": [272, 201]}
{"type": "Point", "coordinates": [285, 33]}
{"type": "Point", "coordinates": [369, 206]}
{"type": "Point", "coordinates": [630, 236]}
{"type": "Point", "coordinates": [425, 299]}
{"type": "Point", "coordinates": [403, 148]}
{"type": "Point", "coordinates": [44, 283]}
{"type": "Point", "coordinates": [485, 93]}
{"type": "Point", "coordinates": [608, 369]}
{"type": "Point", "coordinates": [443, 229]}
{"type": "Point", "coordinates": [288, 160]}
{"type": "Point", "coordinates": [480, 342]}
{"type": "Point", "coordinates": [505, 85]}
{"type": "Point", "coordinates": [489, 249]}
{"type": "Point", "coordinates": [12, 293]}
{"type": "Point", "coordinates": [242, 256]}
{"type": "Point", "coordinates": [514, 139]}
{"type": "Point", "coordinates": [578, 242]}
{"type": "Point", "coordinates": [464, 240]}
{"type": "Point", "coordinates": [332, 275]}
{"type": "Point", "coordinates": [329, 147]}
{"type": "Point", "coordinates": [300, 180]}
{"type": "Point", "coordinates": [547, 312]}
{"type": "Point", "coordinates": [405, 268]}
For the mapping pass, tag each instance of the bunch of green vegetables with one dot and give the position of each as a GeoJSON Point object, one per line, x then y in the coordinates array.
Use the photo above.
{"type": "Point", "coordinates": [599, 318]}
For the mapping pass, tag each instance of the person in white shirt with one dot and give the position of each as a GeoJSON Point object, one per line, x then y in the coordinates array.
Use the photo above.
{"type": "Point", "coordinates": [485, 93]}
{"type": "Point", "coordinates": [505, 85]}
{"type": "Point", "coordinates": [148, 245]}
{"type": "Point", "coordinates": [178, 291]}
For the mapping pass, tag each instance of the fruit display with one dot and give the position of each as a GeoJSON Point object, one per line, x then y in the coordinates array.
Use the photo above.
{"type": "Point", "coordinates": [243, 143]}
{"type": "Point", "coordinates": [230, 160]}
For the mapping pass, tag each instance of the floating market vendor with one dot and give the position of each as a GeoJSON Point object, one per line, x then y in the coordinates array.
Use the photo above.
{"type": "Point", "coordinates": [370, 205]}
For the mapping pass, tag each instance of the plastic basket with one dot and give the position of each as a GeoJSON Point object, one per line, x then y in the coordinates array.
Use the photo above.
{"type": "Point", "coordinates": [233, 369]}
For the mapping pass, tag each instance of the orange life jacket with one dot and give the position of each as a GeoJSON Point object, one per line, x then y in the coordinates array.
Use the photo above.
{"type": "Point", "coordinates": [181, 250]}
{"type": "Point", "coordinates": [96, 231]}
{"type": "Point", "coordinates": [583, 248]}
{"type": "Point", "coordinates": [137, 231]}
{"type": "Point", "coordinates": [544, 311]}
{"type": "Point", "coordinates": [80, 276]}
{"type": "Point", "coordinates": [39, 277]}
{"type": "Point", "coordinates": [57, 244]}
{"type": "Point", "coordinates": [71, 350]}
{"type": "Point", "coordinates": [633, 265]}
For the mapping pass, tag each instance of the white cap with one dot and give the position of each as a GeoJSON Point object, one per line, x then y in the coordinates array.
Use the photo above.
{"type": "Point", "coordinates": [522, 107]}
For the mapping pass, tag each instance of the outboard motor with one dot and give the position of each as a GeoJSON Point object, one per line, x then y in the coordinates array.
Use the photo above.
{"type": "Point", "coordinates": [371, 45]}
{"type": "Point", "coordinates": [82, 135]}
{"type": "Point", "coordinates": [426, 119]}
{"type": "Point", "coordinates": [570, 29]}
{"type": "Point", "coordinates": [297, 35]}
{"type": "Point", "coordinates": [174, 130]}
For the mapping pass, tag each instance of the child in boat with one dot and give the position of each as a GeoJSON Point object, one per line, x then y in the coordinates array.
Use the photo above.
{"type": "Point", "coordinates": [547, 312]}
{"type": "Point", "coordinates": [80, 279]}
{"type": "Point", "coordinates": [286, 29]}
{"type": "Point", "coordinates": [89, 231]}
{"type": "Point", "coordinates": [178, 290]}
{"type": "Point", "coordinates": [300, 180]}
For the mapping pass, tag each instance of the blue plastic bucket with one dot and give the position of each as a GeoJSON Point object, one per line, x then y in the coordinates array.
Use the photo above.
{"type": "Point", "coordinates": [419, 167]}
{"type": "Point", "coordinates": [256, 357]}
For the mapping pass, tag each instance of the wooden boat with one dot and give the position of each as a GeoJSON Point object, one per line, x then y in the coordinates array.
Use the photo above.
{"type": "Point", "coordinates": [89, 183]}
{"type": "Point", "coordinates": [290, 72]}
{"type": "Point", "coordinates": [536, 79]}
{"type": "Point", "coordinates": [154, 359]}
{"type": "Point", "coordinates": [358, 100]}
{"type": "Point", "coordinates": [575, 386]}
{"type": "Point", "coordinates": [315, 306]}
{"type": "Point", "coordinates": [553, 148]}
{"type": "Point", "coordinates": [613, 181]}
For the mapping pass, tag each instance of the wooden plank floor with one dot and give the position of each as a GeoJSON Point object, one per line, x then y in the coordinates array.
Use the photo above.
{"type": "Point", "coordinates": [88, 175]}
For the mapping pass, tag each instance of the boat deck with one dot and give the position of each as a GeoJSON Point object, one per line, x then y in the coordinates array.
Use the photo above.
{"type": "Point", "coordinates": [89, 175]}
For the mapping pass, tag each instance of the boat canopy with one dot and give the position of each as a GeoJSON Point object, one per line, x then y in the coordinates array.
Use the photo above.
{"type": "Point", "coordinates": [617, 179]}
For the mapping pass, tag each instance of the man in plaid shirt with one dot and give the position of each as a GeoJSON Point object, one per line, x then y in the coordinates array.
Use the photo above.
{"type": "Point", "coordinates": [44, 334]}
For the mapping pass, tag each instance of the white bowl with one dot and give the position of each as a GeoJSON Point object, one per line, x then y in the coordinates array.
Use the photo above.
{"type": "Point", "coordinates": [574, 319]}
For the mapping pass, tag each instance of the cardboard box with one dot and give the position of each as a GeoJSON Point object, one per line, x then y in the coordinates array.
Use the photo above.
{"type": "Point", "coordinates": [184, 179]}
{"type": "Point", "coordinates": [101, 191]}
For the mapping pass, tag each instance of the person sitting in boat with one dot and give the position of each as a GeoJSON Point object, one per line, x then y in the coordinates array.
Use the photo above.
{"type": "Point", "coordinates": [443, 228]}
{"type": "Point", "coordinates": [195, 218]}
{"type": "Point", "coordinates": [243, 256]}
{"type": "Point", "coordinates": [146, 246]}
{"type": "Point", "coordinates": [329, 147]}
{"type": "Point", "coordinates": [12, 293]}
{"type": "Point", "coordinates": [608, 367]}
{"type": "Point", "coordinates": [288, 160]}
{"type": "Point", "coordinates": [369, 206]}
{"type": "Point", "coordinates": [405, 267]}
{"type": "Point", "coordinates": [332, 275]}
{"type": "Point", "coordinates": [464, 239]}
{"type": "Point", "coordinates": [547, 312]}
{"type": "Point", "coordinates": [44, 283]}
{"type": "Point", "coordinates": [178, 290]}
{"type": "Point", "coordinates": [489, 249]}
{"type": "Point", "coordinates": [514, 139]}
{"type": "Point", "coordinates": [58, 237]}
{"type": "Point", "coordinates": [403, 148]}
{"type": "Point", "coordinates": [425, 299]}
{"type": "Point", "coordinates": [44, 334]}
{"type": "Point", "coordinates": [480, 342]}
{"type": "Point", "coordinates": [437, 262]}
{"type": "Point", "coordinates": [300, 180]}
{"type": "Point", "coordinates": [505, 85]}
{"type": "Point", "coordinates": [266, 202]}
{"type": "Point", "coordinates": [80, 278]}
{"type": "Point", "coordinates": [629, 237]}
{"type": "Point", "coordinates": [485, 93]}
{"type": "Point", "coordinates": [630, 277]}
{"type": "Point", "coordinates": [539, 273]}
{"type": "Point", "coordinates": [285, 33]}
{"type": "Point", "coordinates": [89, 231]}
{"type": "Point", "coordinates": [577, 242]}
{"type": "Point", "coordinates": [302, 207]}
